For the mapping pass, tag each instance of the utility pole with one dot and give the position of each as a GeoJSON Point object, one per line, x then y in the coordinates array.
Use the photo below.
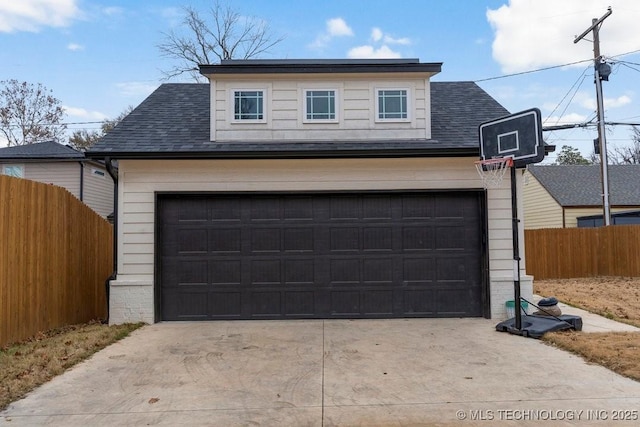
{"type": "Point", "coordinates": [602, 71]}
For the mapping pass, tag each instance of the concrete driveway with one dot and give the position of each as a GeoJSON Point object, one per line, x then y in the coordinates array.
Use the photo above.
{"type": "Point", "coordinates": [330, 373]}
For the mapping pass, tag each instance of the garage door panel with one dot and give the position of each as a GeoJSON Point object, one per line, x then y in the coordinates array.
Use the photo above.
{"type": "Point", "coordinates": [224, 305]}
{"type": "Point", "coordinates": [298, 239]}
{"type": "Point", "coordinates": [377, 239]}
{"type": "Point", "coordinates": [225, 240]}
{"type": "Point", "coordinates": [265, 272]}
{"type": "Point", "coordinates": [265, 240]}
{"type": "Point", "coordinates": [266, 303]}
{"type": "Point", "coordinates": [419, 270]}
{"type": "Point", "coordinates": [344, 271]}
{"type": "Point", "coordinates": [300, 304]}
{"type": "Point", "coordinates": [225, 272]}
{"type": "Point", "coordinates": [320, 255]}
{"type": "Point", "coordinates": [299, 271]}
{"type": "Point", "coordinates": [378, 271]}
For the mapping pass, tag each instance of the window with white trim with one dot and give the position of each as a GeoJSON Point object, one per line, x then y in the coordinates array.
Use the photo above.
{"type": "Point", "coordinates": [320, 105]}
{"type": "Point", "coordinates": [392, 104]}
{"type": "Point", "coordinates": [16, 171]}
{"type": "Point", "coordinates": [248, 105]}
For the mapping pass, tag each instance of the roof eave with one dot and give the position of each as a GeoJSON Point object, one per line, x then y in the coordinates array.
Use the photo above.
{"type": "Point", "coordinates": [289, 154]}
{"type": "Point", "coordinates": [319, 68]}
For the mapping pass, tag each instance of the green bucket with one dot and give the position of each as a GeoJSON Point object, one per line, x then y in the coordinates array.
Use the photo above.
{"type": "Point", "coordinates": [511, 312]}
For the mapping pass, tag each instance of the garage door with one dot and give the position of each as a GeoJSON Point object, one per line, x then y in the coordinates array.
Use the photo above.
{"type": "Point", "coordinates": [320, 255]}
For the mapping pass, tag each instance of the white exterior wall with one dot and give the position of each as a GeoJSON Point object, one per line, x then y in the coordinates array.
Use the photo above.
{"type": "Point", "coordinates": [132, 293]}
{"type": "Point", "coordinates": [98, 190]}
{"type": "Point", "coordinates": [356, 100]}
{"type": "Point", "coordinates": [62, 174]}
{"type": "Point", "coordinates": [540, 209]}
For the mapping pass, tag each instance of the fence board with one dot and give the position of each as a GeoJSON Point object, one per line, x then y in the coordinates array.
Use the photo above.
{"type": "Point", "coordinates": [562, 253]}
{"type": "Point", "coordinates": [55, 256]}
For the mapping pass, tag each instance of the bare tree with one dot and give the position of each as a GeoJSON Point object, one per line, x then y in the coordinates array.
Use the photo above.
{"type": "Point", "coordinates": [223, 34]}
{"type": "Point", "coordinates": [29, 113]}
{"type": "Point", "coordinates": [83, 139]}
{"type": "Point", "coordinates": [629, 154]}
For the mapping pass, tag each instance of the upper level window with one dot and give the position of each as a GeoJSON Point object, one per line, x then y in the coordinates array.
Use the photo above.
{"type": "Point", "coordinates": [392, 104]}
{"type": "Point", "coordinates": [320, 105]}
{"type": "Point", "coordinates": [13, 170]}
{"type": "Point", "coordinates": [248, 105]}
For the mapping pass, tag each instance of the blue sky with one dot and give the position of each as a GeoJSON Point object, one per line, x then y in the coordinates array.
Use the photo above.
{"type": "Point", "coordinates": [98, 57]}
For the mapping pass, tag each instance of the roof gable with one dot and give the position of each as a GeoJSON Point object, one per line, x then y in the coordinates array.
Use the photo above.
{"type": "Point", "coordinates": [41, 151]}
{"type": "Point", "coordinates": [581, 185]}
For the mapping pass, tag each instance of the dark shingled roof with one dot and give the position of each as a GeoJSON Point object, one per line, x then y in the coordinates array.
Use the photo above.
{"type": "Point", "coordinates": [580, 185]}
{"type": "Point", "coordinates": [174, 122]}
{"type": "Point", "coordinates": [41, 151]}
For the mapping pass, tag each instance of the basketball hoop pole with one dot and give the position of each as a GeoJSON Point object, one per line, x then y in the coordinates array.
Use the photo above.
{"type": "Point", "coordinates": [516, 249]}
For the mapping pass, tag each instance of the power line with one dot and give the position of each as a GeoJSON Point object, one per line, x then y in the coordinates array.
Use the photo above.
{"type": "Point", "coordinates": [532, 71]}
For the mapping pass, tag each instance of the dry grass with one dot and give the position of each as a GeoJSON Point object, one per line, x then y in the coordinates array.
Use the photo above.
{"type": "Point", "coordinates": [24, 366]}
{"type": "Point", "coordinates": [618, 351]}
{"type": "Point", "coordinates": [617, 298]}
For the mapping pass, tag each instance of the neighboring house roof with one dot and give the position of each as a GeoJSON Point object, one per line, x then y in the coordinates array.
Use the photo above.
{"type": "Point", "coordinates": [41, 151]}
{"type": "Point", "coordinates": [580, 185]}
{"type": "Point", "coordinates": [174, 122]}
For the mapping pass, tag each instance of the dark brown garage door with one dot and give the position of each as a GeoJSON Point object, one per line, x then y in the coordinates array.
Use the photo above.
{"type": "Point", "coordinates": [320, 255]}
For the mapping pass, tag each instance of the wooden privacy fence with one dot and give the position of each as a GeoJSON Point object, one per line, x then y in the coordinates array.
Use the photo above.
{"type": "Point", "coordinates": [562, 253]}
{"type": "Point", "coordinates": [55, 255]}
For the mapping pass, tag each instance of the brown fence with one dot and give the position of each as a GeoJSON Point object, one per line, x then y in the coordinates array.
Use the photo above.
{"type": "Point", "coordinates": [560, 253]}
{"type": "Point", "coordinates": [55, 255]}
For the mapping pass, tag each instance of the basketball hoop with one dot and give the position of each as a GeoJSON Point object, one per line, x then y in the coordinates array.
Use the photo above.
{"type": "Point", "coordinates": [492, 171]}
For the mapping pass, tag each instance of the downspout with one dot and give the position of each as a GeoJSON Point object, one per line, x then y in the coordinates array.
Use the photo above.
{"type": "Point", "coordinates": [81, 180]}
{"type": "Point", "coordinates": [114, 274]}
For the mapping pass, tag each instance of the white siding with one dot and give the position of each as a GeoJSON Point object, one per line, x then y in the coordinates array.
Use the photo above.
{"type": "Point", "coordinates": [98, 190]}
{"type": "Point", "coordinates": [139, 180]}
{"type": "Point", "coordinates": [63, 174]}
{"type": "Point", "coordinates": [356, 110]}
{"type": "Point", "coordinates": [540, 209]}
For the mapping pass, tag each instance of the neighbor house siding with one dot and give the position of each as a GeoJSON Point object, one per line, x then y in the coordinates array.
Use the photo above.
{"type": "Point", "coordinates": [540, 209]}
{"type": "Point", "coordinates": [132, 292]}
{"type": "Point", "coordinates": [98, 190]}
{"type": "Point", "coordinates": [63, 174]}
{"type": "Point", "coordinates": [571, 214]}
{"type": "Point", "coordinates": [356, 110]}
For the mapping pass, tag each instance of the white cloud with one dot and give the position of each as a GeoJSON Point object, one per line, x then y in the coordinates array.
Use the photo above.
{"type": "Point", "coordinates": [83, 113]}
{"type": "Point", "coordinates": [367, 52]}
{"type": "Point", "coordinates": [335, 27]}
{"type": "Point", "coordinates": [402, 40]}
{"type": "Point", "coordinates": [620, 101]}
{"type": "Point", "coordinates": [534, 34]}
{"type": "Point", "coordinates": [75, 46]}
{"type": "Point", "coordinates": [33, 15]}
{"type": "Point", "coordinates": [376, 34]}
{"type": "Point", "coordinates": [570, 118]}
{"type": "Point", "coordinates": [135, 89]}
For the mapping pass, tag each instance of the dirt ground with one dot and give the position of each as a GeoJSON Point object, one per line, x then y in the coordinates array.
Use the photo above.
{"type": "Point", "coordinates": [614, 297]}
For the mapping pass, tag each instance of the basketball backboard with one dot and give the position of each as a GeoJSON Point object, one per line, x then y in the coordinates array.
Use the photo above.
{"type": "Point", "coordinates": [518, 136]}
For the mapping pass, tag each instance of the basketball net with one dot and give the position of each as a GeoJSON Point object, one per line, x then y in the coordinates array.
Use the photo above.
{"type": "Point", "coordinates": [492, 171]}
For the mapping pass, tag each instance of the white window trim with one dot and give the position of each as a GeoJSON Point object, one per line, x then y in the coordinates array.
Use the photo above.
{"type": "Point", "coordinates": [265, 105]}
{"type": "Point", "coordinates": [13, 165]}
{"type": "Point", "coordinates": [336, 93]}
{"type": "Point", "coordinates": [409, 117]}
